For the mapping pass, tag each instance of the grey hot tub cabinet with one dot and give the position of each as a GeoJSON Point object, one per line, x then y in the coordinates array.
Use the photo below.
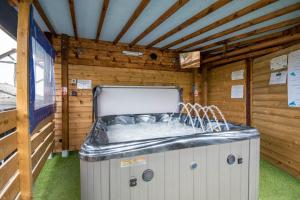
{"type": "Point", "coordinates": [198, 167]}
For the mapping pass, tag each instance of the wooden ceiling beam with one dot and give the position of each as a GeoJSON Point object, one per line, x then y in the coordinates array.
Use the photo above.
{"type": "Point", "coordinates": [102, 18]}
{"type": "Point", "coordinates": [275, 42]}
{"type": "Point", "coordinates": [253, 33]}
{"type": "Point", "coordinates": [245, 56]}
{"type": "Point", "coordinates": [132, 19]}
{"type": "Point", "coordinates": [234, 46]}
{"type": "Point", "coordinates": [222, 21]}
{"type": "Point", "coordinates": [73, 16]}
{"type": "Point", "coordinates": [244, 43]}
{"type": "Point", "coordinates": [215, 6]}
{"type": "Point", "coordinates": [41, 12]}
{"type": "Point", "coordinates": [244, 25]}
{"type": "Point", "coordinates": [176, 6]}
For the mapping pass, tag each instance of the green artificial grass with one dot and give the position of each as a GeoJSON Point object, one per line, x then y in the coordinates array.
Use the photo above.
{"type": "Point", "coordinates": [60, 180]}
{"type": "Point", "coordinates": [276, 184]}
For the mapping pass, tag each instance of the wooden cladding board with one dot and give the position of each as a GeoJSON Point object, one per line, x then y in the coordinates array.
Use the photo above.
{"type": "Point", "coordinates": [105, 54]}
{"type": "Point", "coordinates": [278, 124]}
{"type": "Point", "coordinates": [105, 64]}
{"type": "Point", "coordinates": [42, 144]}
{"type": "Point", "coordinates": [7, 120]}
{"type": "Point", "coordinates": [219, 92]}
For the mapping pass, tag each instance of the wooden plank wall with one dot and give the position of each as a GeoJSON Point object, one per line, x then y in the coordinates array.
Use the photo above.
{"type": "Point", "coordinates": [9, 165]}
{"type": "Point", "coordinates": [219, 91]}
{"type": "Point", "coordinates": [279, 125]}
{"type": "Point", "coordinates": [42, 143]}
{"type": "Point", "coordinates": [104, 63]}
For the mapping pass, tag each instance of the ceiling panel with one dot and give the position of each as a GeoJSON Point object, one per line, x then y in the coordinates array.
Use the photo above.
{"type": "Point", "coordinates": [148, 16]}
{"type": "Point", "coordinates": [58, 13]}
{"type": "Point", "coordinates": [118, 13]}
{"type": "Point", "coordinates": [87, 17]}
{"type": "Point", "coordinates": [40, 22]}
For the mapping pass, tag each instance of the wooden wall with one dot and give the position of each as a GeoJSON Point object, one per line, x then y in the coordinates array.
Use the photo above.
{"type": "Point", "coordinates": [278, 124]}
{"type": "Point", "coordinates": [219, 91]}
{"type": "Point", "coordinates": [111, 67]}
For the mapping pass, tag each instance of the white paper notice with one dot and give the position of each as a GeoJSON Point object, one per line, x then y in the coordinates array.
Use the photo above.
{"type": "Point", "coordinates": [237, 91]}
{"type": "Point", "coordinates": [294, 79]}
{"type": "Point", "coordinates": [278, 78]}
{"type": "Point", "coordinates": [84, 84]}
{"type": "Point", "coordinates": [237, 75]}
{"type": "Point", "coordinates": [279, 62]}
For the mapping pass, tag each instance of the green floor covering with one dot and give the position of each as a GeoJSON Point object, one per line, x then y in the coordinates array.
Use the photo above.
{"type": "Point", "coordinates": [59, 180]}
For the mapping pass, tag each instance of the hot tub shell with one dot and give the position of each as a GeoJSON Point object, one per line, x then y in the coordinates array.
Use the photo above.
{"type": "Point", "coordinates": [210, 166]}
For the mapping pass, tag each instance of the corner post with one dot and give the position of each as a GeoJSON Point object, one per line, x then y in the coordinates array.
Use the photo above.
{"type": "Point", "coordinates": [65, 93]}
{"type": "Point", "coordinates": [22, 76]}
{"type": "Point", "coordinates": [248, 62]}
{"type": "Point", "coordinates": [204, 86]}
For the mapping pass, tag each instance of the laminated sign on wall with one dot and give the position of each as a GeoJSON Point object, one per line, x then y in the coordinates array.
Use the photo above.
{"type": "Point", "coordinates": [294, 79]}
{"type": "Point", "coordinates": [279, 62]}
{"type": "Point", "coordinates": [278, 78]}
{"type": "Point", "coordinates": [84, 84]}
{"type": "Point", "coordinates": [237, 75]}
{"type": "Point", "coordinates": [237, 91]}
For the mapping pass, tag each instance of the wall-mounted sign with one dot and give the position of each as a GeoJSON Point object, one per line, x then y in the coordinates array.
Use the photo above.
{"type": "Point", "coordinates": [278, 78]}
{"type": "Point", "coordinates": [237, 75]}
{"type": "Point", "coordinates": [237, 91]}
{"type": "Point", "coordinates": [84, 84]}
{"type": "Point", "coordinates": [294, 79]}
{"type": "Point", "coordinates": [279, 62]}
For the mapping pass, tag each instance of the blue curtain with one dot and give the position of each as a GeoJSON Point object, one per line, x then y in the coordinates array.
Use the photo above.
{"type": "Point", "coordinates": [42, 82]}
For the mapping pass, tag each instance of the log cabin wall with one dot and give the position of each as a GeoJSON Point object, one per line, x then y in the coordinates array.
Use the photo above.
{"type": "Point", "coordinates": [219, 91]}
{"type": "Point", "coordinates": [104, 63]}
{"type": "Point", "coordinates": [278, 124]}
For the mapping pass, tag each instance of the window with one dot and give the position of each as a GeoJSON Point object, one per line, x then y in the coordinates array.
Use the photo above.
{"type": "Point", "coordinates": [43, 64]}
{"type": "Point", "coordinates": [8, 58]}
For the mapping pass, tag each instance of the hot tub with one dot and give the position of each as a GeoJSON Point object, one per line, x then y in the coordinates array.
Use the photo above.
{"type": "Point", "coordinates": [142, 147]}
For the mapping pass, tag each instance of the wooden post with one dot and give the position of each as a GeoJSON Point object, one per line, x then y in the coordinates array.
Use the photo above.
{"type": "Point", "coordinates": [22, 76]}
{"type": "Point", "coordinates": [65, 93]}
{"type": "Point", "coordinates": [195, 85]}
{"type": "Point", "coordinates": [248, 91]}
{"type": "Point", "coordinates": [204, 86]}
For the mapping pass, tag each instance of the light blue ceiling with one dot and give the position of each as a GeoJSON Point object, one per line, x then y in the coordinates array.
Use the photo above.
{"type": "Point", "coordinates": [39, 20]}
{"type": "Point", "coordinates": [119, 11]}
{"type": "Point", "coordinates": [148, 16]}
{"type": "Point", "coordinates": [260, 25]}
{"type": "Point", "coordinates": [87, 16]}
{"type": "Point", "coordinates": [209, 19]}
{"type": "Point", "coordinates": [248, 38]}
{"type": "Point", "coordinates": [58, 13]}
{"type": "Point", "coordinates": [188, 10]}
{"type": "Point", "coordinates": [260, 12]}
